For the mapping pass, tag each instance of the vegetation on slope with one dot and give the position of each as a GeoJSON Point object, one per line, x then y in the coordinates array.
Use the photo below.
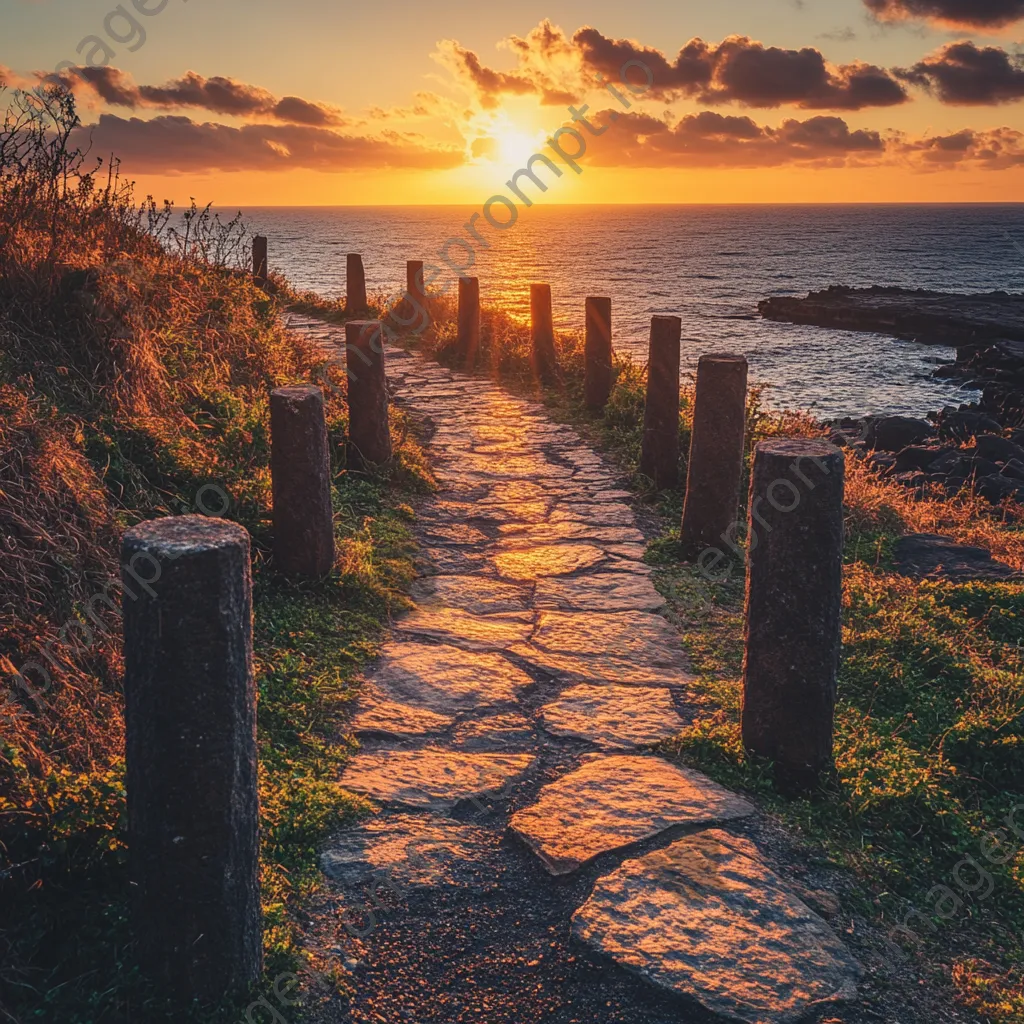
{"type": "Point", "coordinates": [136, 361]}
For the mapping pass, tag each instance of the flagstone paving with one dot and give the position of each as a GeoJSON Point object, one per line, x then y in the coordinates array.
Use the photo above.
{"type": "Point", "coordinates": [502, 732]}
{"type": "Point", "coordinates": [709, 920]}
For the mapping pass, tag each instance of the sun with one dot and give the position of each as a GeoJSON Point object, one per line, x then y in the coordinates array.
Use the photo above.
{"type": "Point", "coordinates": [515, 145]}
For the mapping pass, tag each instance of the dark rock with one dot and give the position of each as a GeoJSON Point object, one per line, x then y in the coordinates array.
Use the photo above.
{"type": "Point", "coordinates": [956, 462]}
{"type": "Point", "coordinates": [894, 433]}
{"type": "Point", "coordinates": [918, 458]}
{"type": "Point", "coordinates": [1017, 437]}
{"type": "Point", "coordinates": [932, 317]}
{"type": "Point", "coordinates": [1014, 469]}
{"type": "Point", "coordinates": [922, 555]}
{"type": "Point", "coordinates": [963, 424]}
{"type": "Point", "coordinates": [995, 488]}
{"type": "Point", "coordinates": [998, 449]}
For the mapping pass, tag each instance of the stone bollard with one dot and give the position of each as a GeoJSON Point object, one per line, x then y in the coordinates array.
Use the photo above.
{"type": "Point", "coordinates": [542, 334]}
{"type": "Point", "coordinates": [417, 292]}
{"type": "Point", "coordinates": [716, 453]}
{"type": "Point", "coordinates": [300, 466]}
{"type": "Point", "coordinates": [355, 284]}
{"type": "Point", "coordinates": [794, 599]}
{"type": "Point", "coordinates": [369, 437]}
{"type": "Point", "coordinates": [659, 457]}
{"type": "Point", "coordinates": [259, 259]}
{"type": "Point", "coordinates": [190, 753]}
{"type": "Point", "coordinates": [597, 374]}
{"type": "Point", "coordinates": [469, 319]}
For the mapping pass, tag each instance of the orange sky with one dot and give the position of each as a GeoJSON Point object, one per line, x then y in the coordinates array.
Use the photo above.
{"type": "Point", "coordinates": [769, 101]}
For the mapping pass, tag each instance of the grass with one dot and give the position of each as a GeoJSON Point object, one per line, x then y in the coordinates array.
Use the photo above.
{"type": "Point", "coordinates": [135, 371]}
{"type": "Point", "coordinates": [930, 717]}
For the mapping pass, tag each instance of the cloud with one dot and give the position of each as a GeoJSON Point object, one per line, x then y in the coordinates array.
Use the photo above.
{"type": "Point", "coordinates": [174, 144]}
{"type": "Point", "coordinates": [966, 75]}
{"type": "Point", "coordinates": [744, 71]}
{"type": "Point", "coordinates": [739, 70]}
{"type": "Point", "coordinates": [960, 13]}
{"type": "Point", "coordinates": [710, 139]}
{"type": "Point", "coordinates": [997, 149]}
{"type": "Point", "coordinates": [219, 95]}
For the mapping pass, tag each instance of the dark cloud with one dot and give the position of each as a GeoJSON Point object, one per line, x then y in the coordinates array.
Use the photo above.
{"type": "Point", "coordinates": [710, 139]}
{"type": "Point", "coordinates": [964, 13]}
{"type": "Point", "coordinates": [965, 74]}
{"type": "Point", "coordinates": [737, 70]}
{"type": "Point", "coordinates": [172, 144]}
{"type": "Point", "coordinates": [742, 70]}
{"type": "Point", "coordinates": [218, 94]}
{"type": "Point", "coordinates": [997, 149]}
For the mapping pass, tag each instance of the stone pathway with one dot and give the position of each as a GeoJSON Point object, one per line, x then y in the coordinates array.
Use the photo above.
{"type": "Point", "coordinates": [531, 862]}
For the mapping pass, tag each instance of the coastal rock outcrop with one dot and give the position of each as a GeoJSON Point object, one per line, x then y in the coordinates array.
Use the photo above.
{"type": "Point", "coordinates": [981, 445]}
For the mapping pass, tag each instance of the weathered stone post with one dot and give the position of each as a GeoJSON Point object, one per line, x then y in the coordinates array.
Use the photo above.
{"type": "Point", "coordinates": [259, 259]}
{"type": "Point", "coordinates": [716, 452]}
{"type": "Point", "coordinates": [417, 292]}
{"type": "Point", "coordinates": [300, 466]}
{"type": "Point", "coordinates": [190, 751]}
{"type": "Point", "coordinates": [597, 374]}
{"type": "Point", "coordinates": [369, 439]}
{"type": "Point", "coordinates": [542, 334]}
{"type": "Point", "coordinates": [659, 456]}
{"type": "Point", "coordinates": [355, 284]}
{"type": "Point", "coordinates": [469, 319]}
{"type": "Point", "coordinates": [794, 598]}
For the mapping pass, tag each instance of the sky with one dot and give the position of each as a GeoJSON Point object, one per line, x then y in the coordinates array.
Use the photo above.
{"type": "Point", "coordinates": [249, 102]}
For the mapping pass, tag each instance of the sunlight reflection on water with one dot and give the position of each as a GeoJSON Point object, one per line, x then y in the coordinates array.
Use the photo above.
{"type": "Point", "coordinates": [709, 265]}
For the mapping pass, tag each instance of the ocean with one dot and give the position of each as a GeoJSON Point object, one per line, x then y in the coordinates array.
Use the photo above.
{"type": "Point", "coordinates": [708, 264]}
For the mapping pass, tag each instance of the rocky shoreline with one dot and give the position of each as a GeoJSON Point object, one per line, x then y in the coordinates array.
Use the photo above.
{"type": "Point", "coordinates": [978, 445]}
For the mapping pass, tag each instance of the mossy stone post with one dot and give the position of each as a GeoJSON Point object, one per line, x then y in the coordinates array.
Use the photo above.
{"type": "Point", "coordinates": [369, 437]}
{"type": "Point", "coordinates": [190, 752]}
{"type": "Point", "coordinates": [542, 334]}
{"type": "Point", "coordinates": [716, 453]}
{"type": "Point", "coordinates": [355, 284]}
{"type": "Point", "coordinates": [259, 259]}
{"type": "Point", "coordinates": [659, 456]}
{"type": "Point", "coordinates": [469, 319]}
{"type": "Point", "coordinates": [794, 599]}
{"type": "Point", "coordinates": [416, 291]}
{"type": "Point", "coordinates": [300, 466]}
{"type": "Point", "coordinates": [597, 373]}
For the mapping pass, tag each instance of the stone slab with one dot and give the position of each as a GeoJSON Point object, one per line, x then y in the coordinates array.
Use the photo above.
{"type": "Point", "coordinates": [480, 595]}
{"type": "Point", "coordinates": [547, 560]}
{"type": "Point", "coordinates": [378, 715]}
{"type": "Point", "coordinates": [708, 920]}
{"type": "Point", "coordinates": [455, 534]}
{"type": "Point", "coordinates": [611, 513]}
{"type": "Point", "coordinates": [406, 849]}
{"type": "Point", "coordinates": [599, 592]}
{"type": "Point", "coordinates": [431, 778]}
{"type": "Point", "coordinates": [446, 679]}
{"type": "Point", "coordinates": [474, 632]}
{"type": "Point", "coordinates": [930, 556]}
{"type": "Point", "coordinates": [509, 731]}
{"type": "Point", "coordinates": [611, 803]}
{"type": "Point", "coordinates": [613, 717]}
{"type": "Point", "coordinates": [631, 648]}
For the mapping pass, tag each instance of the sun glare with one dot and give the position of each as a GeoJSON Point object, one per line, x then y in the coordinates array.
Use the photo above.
{"type": "Point", "coordinates": [515, 146]}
